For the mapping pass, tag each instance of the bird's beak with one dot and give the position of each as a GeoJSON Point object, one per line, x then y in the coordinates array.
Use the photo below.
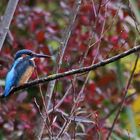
{"type": "Point", "coordinates": [42, 55]}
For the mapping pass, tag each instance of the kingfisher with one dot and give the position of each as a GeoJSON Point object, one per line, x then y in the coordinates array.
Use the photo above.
{"type": "Point", "coordinates": [21, 69]}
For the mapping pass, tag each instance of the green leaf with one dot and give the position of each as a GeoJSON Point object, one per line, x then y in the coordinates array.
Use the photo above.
{"type": "Point", "coordinates": [135, 9]}
{"type": "Point", "coordinates": [132, 123]}
{"type": "Point", "coordinates": [54, 44]}
{"type": "Point", "coordinates": [2, 83]}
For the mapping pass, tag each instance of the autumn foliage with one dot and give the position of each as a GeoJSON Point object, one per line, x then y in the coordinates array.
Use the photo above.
{"type": "Point", "coordinates": [102, 29]}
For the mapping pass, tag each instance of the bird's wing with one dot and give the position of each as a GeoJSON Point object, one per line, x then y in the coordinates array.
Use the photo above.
{"type": "Point", "coordinates": [11, 78]}
{"type": "Point", "coordinates": [10, 81]}
{"type": "Point", "coordinates": [19, 73]}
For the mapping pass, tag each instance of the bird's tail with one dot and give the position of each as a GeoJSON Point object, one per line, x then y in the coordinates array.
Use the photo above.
{"type": "Point", "coordinates": [6, 91]}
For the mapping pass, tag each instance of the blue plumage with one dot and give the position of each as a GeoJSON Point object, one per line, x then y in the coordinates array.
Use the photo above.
{"type": "Point", "coordinates": [21, 69]}
{"type": "Point", "coordinates": [10, 80]}
{"type": "Point", "coordinates": [16, 72]}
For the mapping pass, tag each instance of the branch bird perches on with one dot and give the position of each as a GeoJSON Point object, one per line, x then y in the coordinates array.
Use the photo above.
{"type": "Point", "coordinates": [77, 71]}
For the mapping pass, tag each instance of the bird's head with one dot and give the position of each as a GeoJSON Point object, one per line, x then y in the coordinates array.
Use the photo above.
{"type": "Point", "coordinates": [25, 53]}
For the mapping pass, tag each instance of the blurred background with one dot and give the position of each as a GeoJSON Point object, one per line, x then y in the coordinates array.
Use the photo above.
{"type": "Point", "coordinates": [102, 29]}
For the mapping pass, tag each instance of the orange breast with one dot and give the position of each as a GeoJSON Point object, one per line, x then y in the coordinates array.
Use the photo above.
{"type": "Point", "coordinates": [26, 75]}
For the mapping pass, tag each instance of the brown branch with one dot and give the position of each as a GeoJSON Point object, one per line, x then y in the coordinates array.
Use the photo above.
{"type": "Point", "coordinates": [6, 20]}
{"type": "Point", "coordinates": [45, 114]}
{"type": "Point", "coordinates": [123, 99]}
{"type": "Point", "coordinates": [65, 40]}
{"type": "Point", "coordinates": [78, 98]}
{"type": "Point", "coordinates": [77, 71]}
{"type": "Point", "coordinates": [42, 118]}
{"type": "Point", "coordinates": [51, 85]}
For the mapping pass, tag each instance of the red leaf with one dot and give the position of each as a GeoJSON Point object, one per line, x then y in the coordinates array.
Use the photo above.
{"type": "Point", "coordinates": [86, 8]}
{"type": "Point", "coordinates": [82, 47]}
{"type": "Point", "coordinates": [124, 35]}
{"type": "Point", "coordinates": [29, 45]}
{"type": "Point", "coordinates": [92, 87]}
{"type": "Point", "coordinates": [40, 36]}
{"type": "Point", "coordinates": [116, 47]}
{"type": "Point", "coordinates": [113, 12]}
{"type": "Point", "coordinates": [45, 50]}
{"type": "Point", "coordinates": [90, 92]}
{"type": "Point", "coordinates": [114, 39]}
{"type": "Point", "coordinates": [23, 117]}
{"type": "Point", "coordinates": [84, 20]}
{"type": "Point", "coordinates": [106, 79]}
{"type": "Point", "coordinates": [12, 114]}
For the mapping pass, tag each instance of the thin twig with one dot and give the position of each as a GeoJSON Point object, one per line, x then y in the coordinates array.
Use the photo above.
{"type": "Point", "coordinates": [6, 20]}
{"type": "Point", "coordinates": [41, 93]}
{"type": "Point", "coordinates": [117, 106]}
{"type": "Point", "coordinates": [123, 99]}
{"type": "Point", "coordinates": [64, 46]}
{"type": "Point", "coordinates": [76, 71]}
{"type": "Point", "coordinates": [45, 114]}
{"type": "Point", "coordinates": [60, 102]}
{"type": "Point", "coordinates": [107, 29]}
{"type": "Point", "coordinates": [43, 118]}
{"type": "Point", "coordinates": [67, 35]}
{"type": "Point", "coordinates": [85, 55]}
{"type": "Point", "coordinates": [68, 90]}
{"type": "Point", "coordinates": [77, 100]}
{"type": "Point", "coordinates": [97, 53]}
{"type": "Point", "coordinates": [68, 121]}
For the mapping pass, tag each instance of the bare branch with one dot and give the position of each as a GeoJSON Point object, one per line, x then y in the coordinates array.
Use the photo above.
{"type": "Point", "coordinates": [76, 71]}
{"type": "Point", "coordinates": [64, 45]}
{"type": "Point", "coordinates": [6, 20]}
